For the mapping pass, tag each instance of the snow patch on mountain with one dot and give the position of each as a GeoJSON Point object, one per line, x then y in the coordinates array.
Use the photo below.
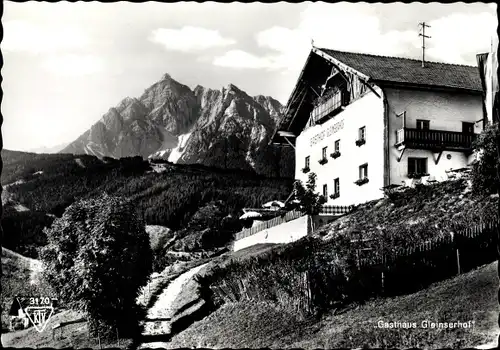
{"type": "Point", "coordinates": [177, 152]}
{"type": "Point", "coordinates": [91, 150]}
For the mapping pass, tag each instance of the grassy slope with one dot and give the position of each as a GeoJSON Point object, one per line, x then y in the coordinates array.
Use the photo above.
{"type": "Point", "coordinates": [190, 293]}
{"type": "Point", "coordinates": [252, 324]}
{"type": "Point", "coordinates": [472, 296]}
{"type": "Point", "coordinates": [437, 209]}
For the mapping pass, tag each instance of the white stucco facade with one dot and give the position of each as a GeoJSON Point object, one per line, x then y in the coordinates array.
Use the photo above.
{"type": "Point", "coordinates": [367, 112]}
{"type": "Point", "coordinates": [445, 111]}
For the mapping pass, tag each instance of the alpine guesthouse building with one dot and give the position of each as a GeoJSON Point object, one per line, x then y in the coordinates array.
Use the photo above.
{"type": "Point", "coordinates": [362, 122]}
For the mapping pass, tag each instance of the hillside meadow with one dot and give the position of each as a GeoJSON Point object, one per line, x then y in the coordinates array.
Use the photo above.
{"type": "Point", "coordinates": [200, 205]}
{"type": "Point", "coordinates": [393, 246]}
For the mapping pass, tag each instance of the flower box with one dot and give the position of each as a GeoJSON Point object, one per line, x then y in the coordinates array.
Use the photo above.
{"type": "Point", "coordinates": [335, 195]}
{"type": "Point", "coordinates": [335, 155]}
{"type": "Point", "coordinates": [361, 181]}
{"type": "Point", "coordinates": [416, 175]}
{"type": "Point", "coordinates": [360, 142]}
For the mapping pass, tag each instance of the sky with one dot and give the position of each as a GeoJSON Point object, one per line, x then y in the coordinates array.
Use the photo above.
{"type": "Point", "coordinates": [66, 64]}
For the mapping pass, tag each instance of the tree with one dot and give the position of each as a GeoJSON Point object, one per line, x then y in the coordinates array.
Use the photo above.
{"type": "Point", "coordinates": [311, 202]}
{"type": "Point", "coordinates": [485, 178]}
{"type": "Point", "coordinates": [98, 256]}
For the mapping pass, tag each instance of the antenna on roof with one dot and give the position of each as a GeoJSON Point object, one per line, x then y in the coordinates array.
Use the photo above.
{"type": "Point", "coordinates": [312, 42]}
{"type": "Point", "coordinates": [423, 25]}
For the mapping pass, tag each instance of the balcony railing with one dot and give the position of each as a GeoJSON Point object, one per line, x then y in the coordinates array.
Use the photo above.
{"type": "Point", "coordinates": [434, 139]}
{"type": "Point", "coordinates": [336, 209]}
{"type": "Point", "coordinates": [327, 108]}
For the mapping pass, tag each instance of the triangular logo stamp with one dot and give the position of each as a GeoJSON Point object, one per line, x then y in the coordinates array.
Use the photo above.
{"type": "Point", "coordinates": [39, 316]}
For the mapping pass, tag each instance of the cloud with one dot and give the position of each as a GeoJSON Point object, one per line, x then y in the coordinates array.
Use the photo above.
{"type": "Point", "coordinates": [22, 36]}
{"type": "Point", "coordinates": [459, 37]}
{"type": "Point", "coordinates": [344, 26]}
{"type": "Point", "coordinates": [456, 38]}
{"type": "Point", "coordinates": [73, 65]}
{"type": "Point", "coordinates": [188, 39]}
{"type": "Point", "coordinates": [243, 59]}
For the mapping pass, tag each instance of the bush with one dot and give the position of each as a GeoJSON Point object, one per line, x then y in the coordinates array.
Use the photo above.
{"type": "Point", "coordinates": [311, 202]}
{"type": "Point", "coordinates": [97, 258]}
{"type": "Point", "coordinates": [484, 172]}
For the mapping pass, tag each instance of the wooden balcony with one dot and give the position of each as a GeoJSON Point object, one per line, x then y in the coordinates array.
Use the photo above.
{"type": "Point", "coordinates": [437, 140]}
{"type": "Point", "coordinates": [328, 108]}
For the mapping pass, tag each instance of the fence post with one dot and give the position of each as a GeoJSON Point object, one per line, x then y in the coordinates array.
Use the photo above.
{"type": "Point", "coordinates": [308, 292]}
{"type": "Point", "coordinates": [117, 337]}
{"type": "Point", "coordinates": [382, 274]}
{"type": "Point", "coordinates": [458, 262]}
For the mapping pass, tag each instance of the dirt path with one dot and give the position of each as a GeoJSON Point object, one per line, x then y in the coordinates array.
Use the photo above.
{"type": "Point", "coordinates": [158, 318]}
{"type": "Point", "coordinates": [34, 266]}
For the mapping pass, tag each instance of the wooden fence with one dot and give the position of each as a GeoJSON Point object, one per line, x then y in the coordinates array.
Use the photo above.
{"type": "Point", "coordinates": [291, 215]}
{"type": "Point", "coordinates": [414, 268]}
{"type": "Point", "coordinates": [405, 271]}
{"type": "Point", "coordinates": [296, 296]}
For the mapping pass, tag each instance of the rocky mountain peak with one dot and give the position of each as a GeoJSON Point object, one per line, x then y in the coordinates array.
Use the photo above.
{"type": "Point", "coordinates": [198, 90]}
{"type": "Point", "coordinates": [166, 76]}
{"type": "Point", "coordinates": [173, 122]}
{"type": "Point", "coordinates": [232, 87]}
{"type": "Point", "coordinates": [127, 102]}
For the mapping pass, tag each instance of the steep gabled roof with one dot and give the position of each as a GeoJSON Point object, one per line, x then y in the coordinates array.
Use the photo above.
{"type": "Point", "coordinates": [410, 71]}
{"type": "Point", "coordinates": [381, 70]}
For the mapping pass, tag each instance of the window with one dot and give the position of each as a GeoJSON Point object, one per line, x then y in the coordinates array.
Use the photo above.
{"type": "Point", "coordinates": [336, 186]}
{"type": "Point", "coordinates": [325, 191]}
{"type": "Point", "coordinates": [467, 128]}
{"type": "Point", "coordinates": [363, 171]}
{"type": "Point", "coordinates": [417, 166]}
{"type": "Point", "coordinates": [308, 159]}
{"type": "Point", "coordinates": [323, 153]}
{"type": "Point", "coordinates": [423, 124]}
{"type": "Point", "coordinates": [362, 133]}
{"type": "Point", "coordinates": [361, 136]}
{"type": "Point", "coordinates": [363, 175]}
{"type": "Point", "coordinates": [337, 146]}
